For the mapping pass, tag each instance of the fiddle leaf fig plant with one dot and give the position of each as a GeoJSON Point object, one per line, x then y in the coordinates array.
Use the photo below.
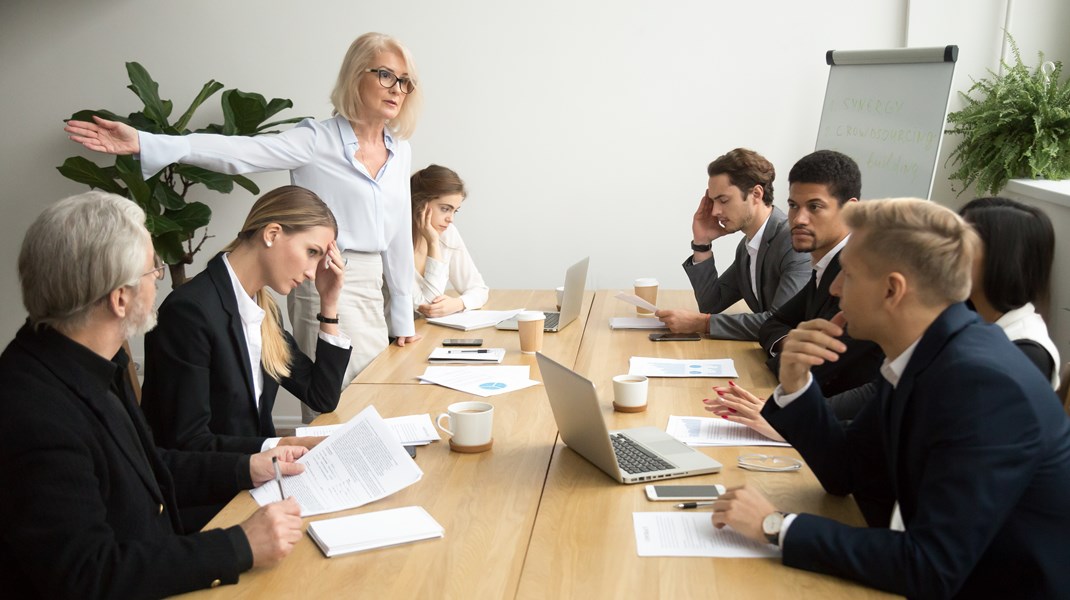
{"type": "Point", "coordinates": [170, 219]}
{"type": "Point", "coordinates": [1019, 126]}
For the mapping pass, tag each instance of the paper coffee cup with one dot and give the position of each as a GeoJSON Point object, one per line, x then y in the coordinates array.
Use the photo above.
{"type": "Point", "coordinates": [647, 289]}
{"type": "Point", "coordinates": [470, 426]}
{"type": "Point", "coordinates": [560, 296]}
{"type": "Point", "coordinates": [530, 324]}
{"type": "Point", "coordinates": [629, 393]}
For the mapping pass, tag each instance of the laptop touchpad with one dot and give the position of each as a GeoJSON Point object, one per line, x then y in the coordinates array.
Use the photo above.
{"type": "Point", "coordinates": [668, 447]}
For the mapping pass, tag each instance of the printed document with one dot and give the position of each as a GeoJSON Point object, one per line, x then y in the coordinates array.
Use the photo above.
{"type": "Point", "coordinates": [636, 301]}
{"type": "Point", "coordinates": [359, 463]}
{"type": "Point", "coordinates": [692, 534]}
{"type": "Point", "coordinates": [713, 431]}
{"type": "Point", "coordinates": [481, 381]}
{"type": "Point", "coordinates": [687, 367]}
{"type": "Point", "coordinates": [411, 430]}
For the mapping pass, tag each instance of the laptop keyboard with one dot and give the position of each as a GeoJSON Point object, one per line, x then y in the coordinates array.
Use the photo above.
{"type": "Point", "coordinates": [633, 458]}
{"type": "Point", "coordinates": [552, 319]}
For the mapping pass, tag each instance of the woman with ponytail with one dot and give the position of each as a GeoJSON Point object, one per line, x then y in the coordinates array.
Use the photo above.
{"type": "Point", "coordinates": [216, 360]}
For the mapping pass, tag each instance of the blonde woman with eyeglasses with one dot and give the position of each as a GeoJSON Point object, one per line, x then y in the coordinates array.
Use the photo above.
{"type": "Point", "coordinates": [358, 162]}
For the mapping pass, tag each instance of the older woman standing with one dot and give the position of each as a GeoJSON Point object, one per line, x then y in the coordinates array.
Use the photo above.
{"type": "Point", "coordinates": [358, 162]}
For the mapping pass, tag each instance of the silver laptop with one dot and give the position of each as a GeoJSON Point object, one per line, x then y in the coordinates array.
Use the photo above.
{"type": "Point", "coordinates": [575, 286]}
{"type": "Point", "coordinates": [629, 456]}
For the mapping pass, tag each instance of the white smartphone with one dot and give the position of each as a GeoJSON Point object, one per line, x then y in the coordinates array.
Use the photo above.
{"type": "Point", "coordinates": [658, 493]}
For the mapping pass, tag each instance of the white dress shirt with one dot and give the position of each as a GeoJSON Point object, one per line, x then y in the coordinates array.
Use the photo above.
{"type": "Point", "coordinates": [753, 245]}
{"type": "Point", "coordinates": [252, 317]}
{"type": "Point", "coordinates": [454, 267]}
{"type": "Point", "coordinates": [823, 264]}
{"type": "Point", "coordinates": [374, 212]}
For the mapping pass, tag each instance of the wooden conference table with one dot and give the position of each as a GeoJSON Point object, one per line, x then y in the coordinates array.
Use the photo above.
{"type": "Point", "coordinates": [530, 518]}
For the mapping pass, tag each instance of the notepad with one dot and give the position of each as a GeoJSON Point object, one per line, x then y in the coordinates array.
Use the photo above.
{"type": "Point", "coordinates": [380, 529]}
{"type": "Point", "coordinates": [475, 319]}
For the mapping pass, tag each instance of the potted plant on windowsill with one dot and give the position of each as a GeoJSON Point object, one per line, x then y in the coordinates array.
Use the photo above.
{"type": "Point", "coordinates": [170, 219]}
{"type": "Point", "coordinates": [1018, 127]}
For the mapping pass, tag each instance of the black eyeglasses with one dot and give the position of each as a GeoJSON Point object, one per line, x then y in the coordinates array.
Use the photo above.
{"type": "Point", "coordinates": [388, 80]}
{"type": "Point", "coordinates": [158, 269]}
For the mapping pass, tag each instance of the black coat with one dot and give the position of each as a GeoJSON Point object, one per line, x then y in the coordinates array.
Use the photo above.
{"type": "Point", "coordinates": [198, 392]}
{"type": "Point", "coordinates": [90, 505]}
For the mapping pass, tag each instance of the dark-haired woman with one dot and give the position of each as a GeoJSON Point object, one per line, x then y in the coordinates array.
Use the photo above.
{"type": "Point", "coordinates": [439, 252]}
{"type": "Point", "coordinates": [1012, 273]}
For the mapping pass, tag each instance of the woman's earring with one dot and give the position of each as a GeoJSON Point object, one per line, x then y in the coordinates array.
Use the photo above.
{"type": "Point", "coordinates": [268, 243]}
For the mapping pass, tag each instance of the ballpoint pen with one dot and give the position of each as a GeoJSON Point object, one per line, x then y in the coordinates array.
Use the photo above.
{"type": "Point", "coordinates": [693, 504]}
{"type": "Point", "coordinates": [480, 351]}
{"type": "Point", "coordinates": [278, 476]}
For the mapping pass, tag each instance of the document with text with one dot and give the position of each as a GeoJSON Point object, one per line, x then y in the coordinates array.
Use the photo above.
{"type": "Point", "coordinates": [411, 430]}
{"type": "Point", "coordinates": [686, 367]}
{"type": "Point", "coordinates": [475, 319]}
{"type": "Point", "coordinates": [693, 534]}
{"type": "Point", "coordinates": [481, 381]}
{"type": "Point", "coordinates": [712, 431]}
{"type": "Point", "coordinates": [361, 462]}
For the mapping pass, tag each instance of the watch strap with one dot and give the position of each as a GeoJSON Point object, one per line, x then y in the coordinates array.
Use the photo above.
{"type": "Point", "coordinates": [701, 247]}
{"type": "Point", "coordinates": [327, 320]}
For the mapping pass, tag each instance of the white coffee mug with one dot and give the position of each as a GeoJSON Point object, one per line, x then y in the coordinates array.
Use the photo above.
{"type": "Point", "coordinates": [469, 424]}
{"type": "Point", "coordinates": [560, 295]}
{"type": "Point", "coordinates": [629, 393]}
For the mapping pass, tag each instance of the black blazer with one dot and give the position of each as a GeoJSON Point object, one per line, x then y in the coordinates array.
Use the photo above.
{"type": "Point", "coordinates": [198, 392]}
{"type": "Point", "coordinates": [90, 505]}
{"type": "Point", "coordinates": [856, 366]}
{"type": "Point", "coordinates": [781, 273]}
{"type": "Point", "coordinates": [976, 452]}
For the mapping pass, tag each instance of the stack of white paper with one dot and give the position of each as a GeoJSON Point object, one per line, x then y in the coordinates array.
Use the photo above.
{"type": "Point", "coordinates": [374, 530]}
{"type": "Point", "coordinates": [359, 463]}
{"type": "Point", "coordinates": [636, 323]}
{"type": "Point", "coordinates": [706, 431]}
{"type": "Point", "coordinates": [687, 367]}
{"type": "Point", "coordinates": [475, 319]}
{"type": "Point", "coordinates": [446, 356]}
{"type": "Point", "coordinates": [411, 430]}
{"type": "Point", "coordinates": [481, 381]}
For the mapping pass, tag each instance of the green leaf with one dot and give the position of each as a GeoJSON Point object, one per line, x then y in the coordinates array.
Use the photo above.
{"type": "Point", "coordinates": [130, 173]}
{"type": "Point", "coordinates": [209, 88]}
{"type": "Point", "coordinates": [242, 112]}
{"type": "Point", "coordinates": [275, 106]}
{"type": "Point", "coordinates": [160, 224]}
{"type": "Point", "coordinates": [262, 128]}
{"type": "Point", "coordinates": [142, 84]}
{"type": "Point", "coordinates": [87, 115]}
{"type": "Point", "coordinates": [167, 197]}
{"type": "Point", "coordinates": [246, 183]}
{"type": "Point", "coordinates": [218, 182]}
{"type": "Point", "coordinates": [83, 170]}
{"type": "Point", "coordinates": [191, 217]}
{"type": "Point", "coordinates": [169, 247]}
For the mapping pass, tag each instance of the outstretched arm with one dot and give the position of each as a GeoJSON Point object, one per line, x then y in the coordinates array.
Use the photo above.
{"type": "Point", "coordinates": [102, 135]}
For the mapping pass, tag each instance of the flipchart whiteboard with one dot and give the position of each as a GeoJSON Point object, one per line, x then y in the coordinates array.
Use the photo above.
{"type": "Point", "coordinates": [886, 109]}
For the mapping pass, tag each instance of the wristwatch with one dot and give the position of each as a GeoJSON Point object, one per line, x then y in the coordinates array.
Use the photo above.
{"type": "Point", "coordinates": [701, 247]}
{"type": "Point", "coordinates": [771, 525]}
{"type": "Point", "coordinates": [327, 320]}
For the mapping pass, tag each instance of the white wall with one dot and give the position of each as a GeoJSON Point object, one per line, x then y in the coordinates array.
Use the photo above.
{"type": "Point", "coordinates": [597, 116]}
